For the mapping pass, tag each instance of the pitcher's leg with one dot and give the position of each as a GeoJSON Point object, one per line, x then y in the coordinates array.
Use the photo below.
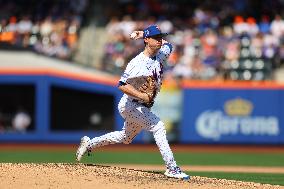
{"type": "Point", "coordinates": [159, 132]}
{"type": "Point", "coordinates": [109, 138]}
{"type": "Point", "coordinates": [152, 123]}
{"type": "Point", "coordinates": [160, 136]}
{"type": "Point", "coordinates": [126, 135]}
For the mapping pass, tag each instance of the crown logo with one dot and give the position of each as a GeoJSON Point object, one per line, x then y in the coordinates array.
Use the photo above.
{"type": "Point", "coordinates": [238, 107]}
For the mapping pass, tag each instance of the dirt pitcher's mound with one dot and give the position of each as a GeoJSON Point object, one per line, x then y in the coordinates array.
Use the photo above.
{"type": "Point", "coordinates": [60, 175]}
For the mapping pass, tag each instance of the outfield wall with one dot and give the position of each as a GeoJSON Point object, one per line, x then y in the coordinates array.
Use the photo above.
{"type": "Point", "coordinates": [63, 107]}
{"type": "Point", "coordinates": [66, 107]}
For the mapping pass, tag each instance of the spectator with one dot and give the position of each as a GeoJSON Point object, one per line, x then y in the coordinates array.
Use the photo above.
{"type": "Point", "coordinates": [21, 121]}
{"type": "Point", "coordinates": [252, 26]}
{"type": "Point", "coordinates": [240, 26]}
{"type": "Point", "coordinates": [277, 26]}
{"type": "Point", "coordinates": [264, 25]}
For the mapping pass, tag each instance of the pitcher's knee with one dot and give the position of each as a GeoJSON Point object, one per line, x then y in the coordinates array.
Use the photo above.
{"type": "Point", "coordinates": [124, 138]}
{"type": "Point", "coordinates": [127, 140]}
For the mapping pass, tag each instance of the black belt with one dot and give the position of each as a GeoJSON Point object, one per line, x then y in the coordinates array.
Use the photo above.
{"type": "Point", "coordinates": [144, 104]}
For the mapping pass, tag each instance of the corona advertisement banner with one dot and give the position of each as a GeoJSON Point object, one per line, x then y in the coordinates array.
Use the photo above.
{"type": "Point", "coordinates": [248, 116]}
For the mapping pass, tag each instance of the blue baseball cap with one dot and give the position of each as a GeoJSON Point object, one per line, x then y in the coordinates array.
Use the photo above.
{"type": "Point", "coordinates": [153, 30]}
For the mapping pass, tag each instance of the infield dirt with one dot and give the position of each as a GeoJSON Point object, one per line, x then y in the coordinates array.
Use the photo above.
{"type": "Point", "coordinates": [59, 175]}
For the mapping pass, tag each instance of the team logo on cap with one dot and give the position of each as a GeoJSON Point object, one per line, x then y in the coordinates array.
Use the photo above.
{"type": "Point", "coordinates": [147, 32]}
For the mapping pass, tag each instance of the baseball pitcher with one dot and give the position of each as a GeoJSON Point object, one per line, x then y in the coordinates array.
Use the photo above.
{"type": "Point", "coordinates": [140, 83]}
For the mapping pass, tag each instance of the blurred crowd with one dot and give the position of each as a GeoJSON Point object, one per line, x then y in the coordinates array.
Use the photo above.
{"type": "Point", "coordinates": [210, 44]}
{"type": "Point", "coordinates": [233, 39]}
{"type": "Point", "coordinates": [47, 27]}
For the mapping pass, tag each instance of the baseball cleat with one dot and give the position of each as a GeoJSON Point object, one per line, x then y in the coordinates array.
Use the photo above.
{"type": "Point", "coordinates": [175, 172]}
{"type": "Point", "coordinates": [83, 148]}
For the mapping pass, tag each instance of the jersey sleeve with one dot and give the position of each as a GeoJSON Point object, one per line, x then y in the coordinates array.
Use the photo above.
{"type": "Point", "coordinates": [128, 72]}
{"type": "Point", "coordinates": [165, 52]}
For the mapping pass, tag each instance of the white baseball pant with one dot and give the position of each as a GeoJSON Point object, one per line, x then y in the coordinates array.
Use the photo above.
{"type": "Point", "coordinates": [136, 119]}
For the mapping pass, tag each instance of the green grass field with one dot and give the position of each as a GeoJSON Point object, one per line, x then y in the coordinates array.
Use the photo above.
{"type": "Point", "coordinates": [265, 178]}
{"type": "Point", "coordinates": [101, 157]}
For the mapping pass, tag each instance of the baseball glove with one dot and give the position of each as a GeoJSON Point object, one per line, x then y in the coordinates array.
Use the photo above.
{"type": "Point", "coordinates": [145, 84]}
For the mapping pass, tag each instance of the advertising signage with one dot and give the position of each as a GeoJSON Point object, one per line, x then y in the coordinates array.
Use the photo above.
{"type": "Point", "coordinates": [233, 116]}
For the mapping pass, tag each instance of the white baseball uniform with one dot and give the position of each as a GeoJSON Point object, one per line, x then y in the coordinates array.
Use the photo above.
{"type": "Point", "coordinates": [137, 116]}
